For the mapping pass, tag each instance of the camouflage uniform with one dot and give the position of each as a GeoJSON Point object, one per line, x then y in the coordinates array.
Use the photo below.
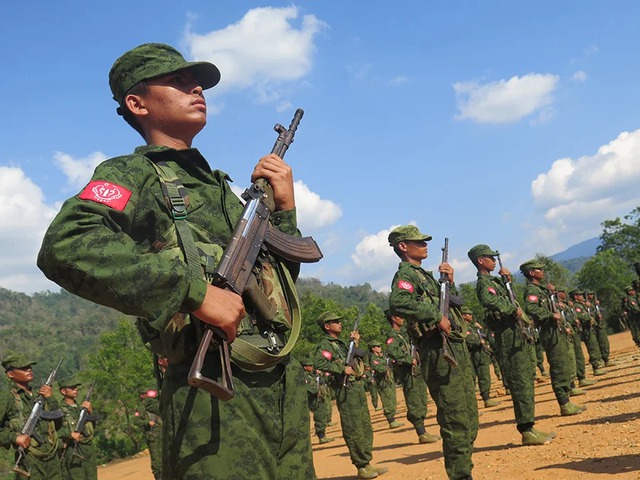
{"type": "Point", "coordinates": [480, 359]}
{"type": "Point", "coordinates": [116, 244]}
{"type": "Point", "coordinates": [631, 305]}
{"type": "Point", "coordinates": [600, 327]}
{"type": "Point", "coordinates": [149, 420]}
{"type": "Point", "coordinates": [351, 400]}
{"type": "Point", "coordinates": [318, 399]}
{"type": "Point", "coordinates": [415, 297]}
{"type": "Point", "coordinates": [385, 383]}
{"type": "Point", "coordinates": [588, 332]}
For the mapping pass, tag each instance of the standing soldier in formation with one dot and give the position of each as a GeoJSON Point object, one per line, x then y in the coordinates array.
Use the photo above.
{"type": "Point", "coordinates": [539, 306]}
{"type": "Point", "coordinates": [406, 366]}
{"type": "Point", "coordinates": [514, 341]}
{"type": "Point", "coordinates": [415, 297]}
{"type": "Point", "coordinates": [588, 331]}
{"type": "Point", "coordinates": [79, 454]}
{"type": "Point", "coordinates": [569, 315]}
{"type": "Point", "coordinates": [319, 400]}
{"type": "Point", "coordinates": [351, 400]}
{"type": "Point", "coordinates": [593, 305]}
{"type": "Point", "coordinates": [149, 419]}
{"type": "Point", "coordinates": [631, 307]}
{"type": "Point", "coordinates": [480, 352]}
{"type": "Point", "coordinates": [144, 237]}
{"type": "Point", "coordinates": [384, 382]}
{"type": "Point", "coordinates": [41, 449]}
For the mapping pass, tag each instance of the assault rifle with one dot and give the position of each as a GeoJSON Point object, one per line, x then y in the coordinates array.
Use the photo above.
{"type": "Point", "coordinates": [445, 287]}
{"type": "Point", "coordinates": [525, 330]}
{"type": "Point", "coordinates": [83, 418]}
{"type": "Point", "coordinates": [351, 352]}
{"type": "Point", "coordinates": [553, 297]}
{"type": "Point", "coordinates": [37, 413]}
{"type": "Point", "coordinates": [252, 234]}
{"type": "Point", "coordinates": [416, 357]}
{"type": "Point", "coordinates": [485, 342]}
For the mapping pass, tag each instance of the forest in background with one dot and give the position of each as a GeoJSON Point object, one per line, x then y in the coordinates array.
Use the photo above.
{"type": "Point", "coordinates": [101, 344]}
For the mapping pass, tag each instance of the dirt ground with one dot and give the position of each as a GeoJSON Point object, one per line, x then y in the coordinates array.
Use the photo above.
{"type": "Point", "coordinates": [601, 443]}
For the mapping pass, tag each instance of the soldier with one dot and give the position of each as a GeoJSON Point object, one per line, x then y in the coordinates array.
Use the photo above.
{"type": "Point", "coordinates": [415, 297]}
{"type": "Point", "coordinates": [78, 456]}
{"type": "Point", "coordinates": [318, 398]}
{"type": "Point", "coordinates": [588, 334]}
{"type": "Point", "coordinates": [480, 352]}
{"type": "Point", "coordinates": [140, 237]}
{"type": "Point", "coordinates": [514, 342]}
{"type": "Point", "coordinates": [406, 366]}
{"type": "Point", "coordinates": [593, 306]}
{"type": "Point", "coordinates": [631, 307]}
{"type": "Point", "coordinates": [384, 382]}
{"type": "Point", "coordinates": [553, 337]}
{"type": "Point", "coordinates": [41, 449]}
{"type": "Point", "coordinates": [347, 383]}
{"type": "Point", "coordinates": [149, 419]}
{"type": "Point", "coordinates": [575, 343]}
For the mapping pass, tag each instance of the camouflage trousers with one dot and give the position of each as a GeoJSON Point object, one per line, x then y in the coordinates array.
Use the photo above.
{"type": "Point", "coordinates": [356, 422]}
{"type": "Point", "coordinates": [603, 341]}
{"type": "Point", "coordinates": [556, 345]}
{"type": "Point", "coordinates": [262, 433]}
{"type": "Point", "coordinates": [387, 391]}
{"type": "Point", "coordinates": [480, 361]}
{"type": "Point", "coordinates": [454, 394]}
{"type": "Point", "coordinates": [154, 442]}
{"type": "Point", "coordinates": [415, 395]}
{"type": "Point", "coordinates": [591, 342]}
{"type": "Point", "coordinates": [579, 354]}
{"type": "Point", "coordinates": [79, 466]}
{"type": "Point", "coordinates": [42, 468]}
{"type": "Point", "coordinates": [321, 408]}
{"type": "Point", "coordinates": [515, 356]}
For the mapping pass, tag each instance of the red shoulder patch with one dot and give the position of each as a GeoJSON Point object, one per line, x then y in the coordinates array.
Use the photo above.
{"type": "Point", "coordinates": [492, 290]}
{"type": "Point", "coordinates": [326, 354]}
{"type": "Point", "coordinates": [109, 194]}
{"type": "Point", "coordinates": [152, 393]}
{"type": "Point", "coordinates": [389, 340]}
{"type": "Point", "coordinates": [404, 285]}
{"type": "Point", "coordinates": [533, 298]}
{"type": "Point", "coordinates": [578, 310]}
{"type": "Point", "coordinates": [376, 362]}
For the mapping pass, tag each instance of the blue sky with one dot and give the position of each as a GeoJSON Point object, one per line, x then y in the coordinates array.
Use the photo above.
{"type": "Point", "coordinates": [509, 123]}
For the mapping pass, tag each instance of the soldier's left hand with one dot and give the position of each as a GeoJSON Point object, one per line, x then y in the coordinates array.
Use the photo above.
{"type": "Point", "coordinates": [447, 269]}
{"type": "Point", "coordinates": [88, 406]}
{"type": "Point", "coordinates": [280, 176]}
{"type": "Point", "coordinates": [46, 391]}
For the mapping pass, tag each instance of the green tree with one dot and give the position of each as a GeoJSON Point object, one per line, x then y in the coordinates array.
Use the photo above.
{"type": "Point", "coordinates": [623, 237]}
{"type": "Point", "coordinates": [122, 366]}
{"type": "Point", "coordinates": [607, 274]}
{"type": "Point", "coordinates": [554, 273]}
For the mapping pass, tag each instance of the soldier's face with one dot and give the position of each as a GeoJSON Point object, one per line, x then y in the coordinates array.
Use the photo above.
{"type": "Point", "coordinates": [21, 375]}
{"type": "Point", "coordinates": [415, 249]}
{"type": "Point", "coordinates": [69, 392]}
{"type": "Point", "coordinates": [487, 262]}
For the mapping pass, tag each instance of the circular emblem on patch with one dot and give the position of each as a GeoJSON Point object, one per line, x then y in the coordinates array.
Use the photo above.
{"type": "Point", "coordinates": [106, 192]}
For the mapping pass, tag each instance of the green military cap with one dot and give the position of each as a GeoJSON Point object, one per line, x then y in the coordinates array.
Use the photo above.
{"type": "Point", "coordinates": [152, 60]}
{"type": "Point", "coordinates": [531, 265]}
{"type": "Point", "coordinates": [589, 292]}
{"type": "Point", "coordinates": [71, 381]}
{"type": "Point", "coordinates": [16, 360]}
{"type": "Point", "coordinates": [375, 343]}
{"type": "Point", "coordinates": [150, 390]}
{"type": "Point", "coordinates": [628, 288]}
{"type": "Point", "coordinates": [406, 232]}
{"type": "Point", "coordinates": [327, 317]}
{"type": "Point", "coordinates": [481, 250]}
{"type": "Point", "coordinates": [576, 291]}
{"type": "Point", "coordinates": [464, 310]}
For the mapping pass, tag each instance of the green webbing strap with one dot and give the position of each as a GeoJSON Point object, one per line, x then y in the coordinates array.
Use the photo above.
{"type": "Point", "coordinates": [171, 186]}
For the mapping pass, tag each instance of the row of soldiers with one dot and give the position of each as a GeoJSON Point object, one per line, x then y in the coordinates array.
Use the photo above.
{"type": "Point", "coordinates": [60, 446]}
{"type": "Point", "coordinates": [447, 352]}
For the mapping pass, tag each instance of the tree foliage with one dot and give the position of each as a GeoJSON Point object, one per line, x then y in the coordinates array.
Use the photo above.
{"type": "Point", "coordinates": [623, 237]}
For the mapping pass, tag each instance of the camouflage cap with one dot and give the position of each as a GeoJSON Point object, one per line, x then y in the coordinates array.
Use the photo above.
{"type": "Point", "coordinates": [466, 310]}
{"type": "Point", "coordinates": [152, 60]}
{"type": "Point", "coordinates": [531, 265]}
{"type": "Point", "coordinates": [375, 343]}
{"type": "Point", "coordinates": [481, 250]}
{"type": "Point", "coordinates": [406, 232]}
{"type": "Point", "coordinates": [327, 317]}
{"type": "Point", "coordinates": [576, 291]}
{"type": "Point", "coordinates": [629, 288]}
{"type": "Point", "coordinates": [71, 381]}
{"type": "Point", "coordinates": [16, 360]}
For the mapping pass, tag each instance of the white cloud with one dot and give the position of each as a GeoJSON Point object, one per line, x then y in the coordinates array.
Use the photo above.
{"type": "Point", "coordinates": [575, 196]}
{"type": "Point", "coordinates": [579, 76]}
{"type": "Point", "coordinates": [314, 213]}
{"type": "Point", "coordinates": [260, 52]}
{"type": "Point", "coordinates": [505, 101]}
{"type": "Point", "coordinates": [78, 171]}
{"type": "Point", "coordinates": [24, 217]}
{"type": "Point", "coordinates": [374, 261]}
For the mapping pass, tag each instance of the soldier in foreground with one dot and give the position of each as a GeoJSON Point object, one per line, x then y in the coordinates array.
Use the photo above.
{"type": "Point", "coordinates": [140, 237]}
{"type": "Point", "coordinates": [348, 385]}
{"type": "Point", "coordinates": [415, 296]}
{"type": "Point", "coordinates": [514, 341]}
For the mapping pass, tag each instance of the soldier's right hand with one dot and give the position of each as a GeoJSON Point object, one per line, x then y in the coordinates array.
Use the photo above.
{"type": "Point", "coordinates": [23, 441]}
{"type": "Point", "coordinates": [223, 309]}
{"type": "Point", "coordinates": [348, 370]}
{"type": "Point", "coordinates": [519, 312]}
{"type": "Point", "coordinates": [445, 325]}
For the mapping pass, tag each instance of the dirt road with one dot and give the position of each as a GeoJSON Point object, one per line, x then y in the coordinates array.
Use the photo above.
{"type": "Point", "coordinates": [601, 443]}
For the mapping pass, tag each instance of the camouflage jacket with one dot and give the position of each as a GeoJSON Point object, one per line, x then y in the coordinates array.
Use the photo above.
{"type": "Point", "coordinates": [71, 415]}
{"type": "Point", "coordinates": [331, 357]}
{"type": "Point", "coordinates": [537, 303]}
{"type": "Point", "coordinates": [494, 297]}
{"type": "Point", "coordinates": [415, 295]}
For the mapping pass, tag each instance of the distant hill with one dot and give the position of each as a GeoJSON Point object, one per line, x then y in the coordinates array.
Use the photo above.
{"type": "Point", "coordinates": [587, 249]}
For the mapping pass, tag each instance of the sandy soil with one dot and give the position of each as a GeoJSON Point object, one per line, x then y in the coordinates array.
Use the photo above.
{"type": "Point", "coordinates": [601, 443]}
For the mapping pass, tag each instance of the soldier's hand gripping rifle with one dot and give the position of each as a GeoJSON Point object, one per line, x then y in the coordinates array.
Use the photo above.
{"type": "Point", "coordinates": [351, 352]}
{"type": "Point", "coordinates": [415, 360]}
{"type": "Point", "coordinates": [83, 418]}
{"type": "Point", "coordinates": [37, 413]}
{"type": "Point", "coordinates": [445, 287]}
{"type": "Point", "coordinates": [525, 330]}
{"type": "Point", "coordinates": [553, 297]}
{"type": "Point", "coordinates": [252, 234]}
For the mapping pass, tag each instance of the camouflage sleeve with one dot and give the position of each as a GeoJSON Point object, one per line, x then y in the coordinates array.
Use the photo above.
{"type": "Point", "coordinates": [536, 303]}
{"type": "Point", "coordinates": [405, 300]}
{"type": "Point", "coordinates": [472, 338]}
{"type": "Point", "coordinates": [89, 248]}
{"type": "Point", "coordinates": [326, 361]}
{"type": "Point", "coordinates": [492, 297]}
{"type": "Point", "coordinates": [7, 436]}
{"type": "Point", "coordinates": [395, 352]}
{"type": "Point", "coordinates": [581, 312]}
{"type": "Point", "coordinates": [378, 364]}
